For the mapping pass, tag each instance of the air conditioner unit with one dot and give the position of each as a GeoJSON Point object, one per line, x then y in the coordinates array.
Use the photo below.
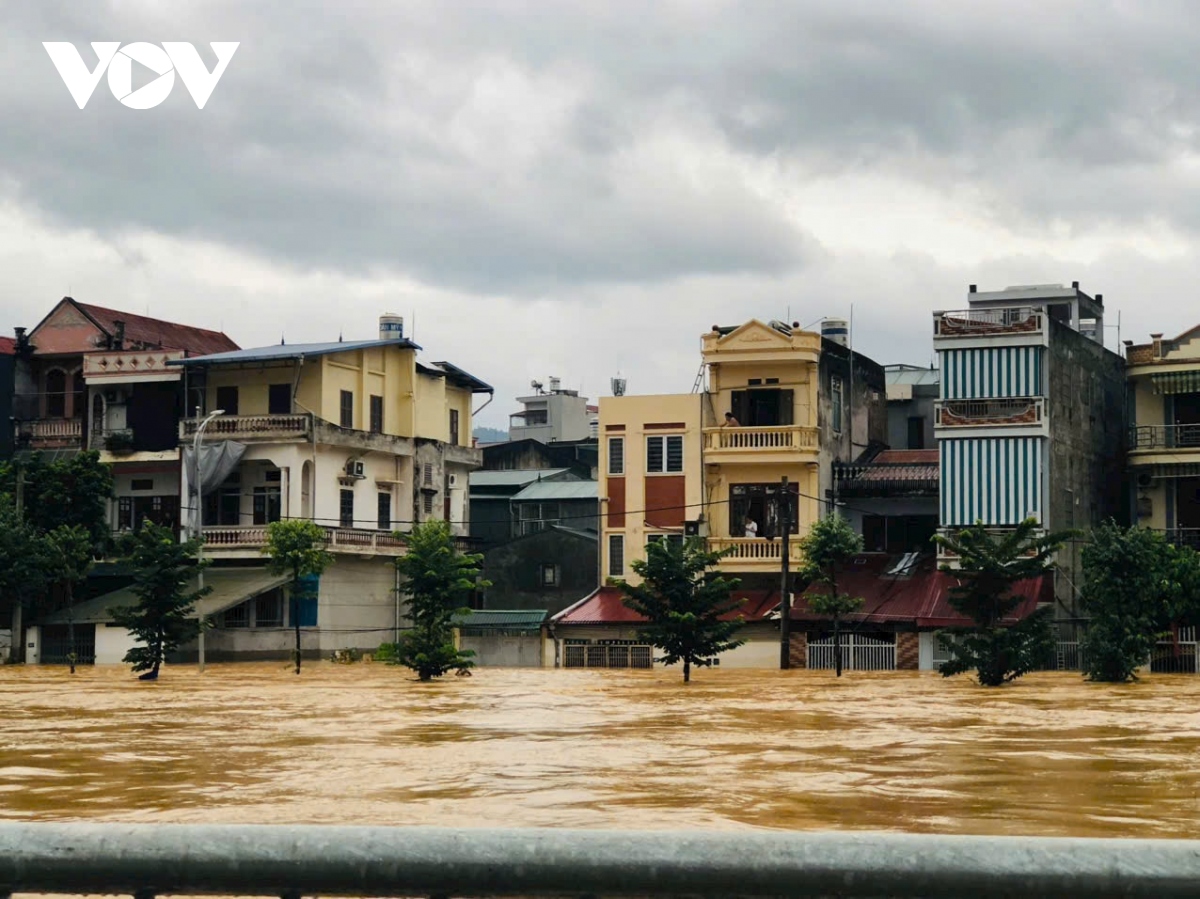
{"type": "Point", "coordinates": [691, 529]}
{"type": "Point", "coordinates": [451, 480]}
{"type": "Point", "coordinates": [112, 395]}
{"type": "Point", "coordinates": [1145, 479]}
{"type": "Point", "coordinates": [356, 468]}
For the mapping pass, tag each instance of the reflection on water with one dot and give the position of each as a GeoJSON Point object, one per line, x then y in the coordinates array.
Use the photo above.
{"type": "Point", "coordinates": [363, 744]}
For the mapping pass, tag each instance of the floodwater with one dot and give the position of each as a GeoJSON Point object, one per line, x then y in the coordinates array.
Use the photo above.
{"type": "Point", "coordinates": [364, 744]}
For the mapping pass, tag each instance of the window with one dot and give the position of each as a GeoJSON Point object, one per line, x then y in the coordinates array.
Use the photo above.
{"type": "Point", "coordinates": [428, 474]}
{"type": "Point", "coordinates": [549, 575]}
{"type": "Point", "coordinates": [347, 508]}
{"type": "Point", "coordinates": [916, 432]}
{"type": "Point", "coordinates": [616, 455]}
{"type": "Point", "coordinates": [238, 616]}
{"type": "Point", "coordinates": [664, 454]}
{"type": "Point", "coordinates": [125, 513]}
{"type": "Point", "coordinates": [835, 398]}
{"type": "Point", "coordinates": [227, 400]}
{"type": "Point", "coordinates": [279, 399]}
{"type": "Point", "coordinates": [267, 505]}
{"type": "Point", "coordinates": [347, 409]}
{"type": "Point", "coordinates": [376, 415]}
{"type": "Point", "coordinates": [428, 503]}
{"type": "Point", "coordinates": [273, 476]}
{"type": "Point", "coordinates": [79, 400]}
{"type": "Point", "coordinates": [141, 484]}
{"type": "Point", "coordinates": [616, 555]}
{"type": "Point", "coordinates": [268, 610]}
{"type": "Point", "coordinates": [223, 506]}
{"type": "Point", "coordinates": [56, 394]}
{"type": "Point", "coordinates": [759, 503]}
{"type": "Point", "coordinates": [676, 539]}
{"type": "Point", "coordinates": [385, 511]}
{"type": "Point", "coordinates": [763, 408]}
{"type": "Point", "coordinates": [454, 427]}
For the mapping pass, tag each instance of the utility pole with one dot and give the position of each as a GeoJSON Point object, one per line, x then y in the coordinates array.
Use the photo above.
{"type": "Point", "coordinates": [785, 597]}
{"type": "Point", "coordinates": [17, 651]}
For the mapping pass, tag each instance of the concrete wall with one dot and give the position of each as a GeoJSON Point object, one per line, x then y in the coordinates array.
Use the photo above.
{"type": "Point", "coordinates": [566, 418]}
{"type": "Point", "coordinates": [900, 411]}
{"type": "Point", "coordinates": [864, 416]}
{"type": "Point", "coordinates": [515, 570]}
{"type": "Point", "coordinates": [1085, 477]}
{"type": "Point", "coordinates": [505, 651]}
{"type": "Point", "coordinates": [112, 643]}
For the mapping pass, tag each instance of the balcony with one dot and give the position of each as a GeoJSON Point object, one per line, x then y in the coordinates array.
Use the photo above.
{"type": "Point", "coordinates": [887, 479]}
{"type": "Point", "coordinates": [250, 427]}
{"type": "Point", "coordinates": [49, 434]}
{"type": "Point", "coordinates": [1188, 537]}
{"type": "Point", "coordinates": [974, 323]}
{"type": "Point", "coordinates": [755, 553]}
{"type": "Point", "coordinates": [777, 443]}
{"type": "Point", "coordinates": [1000, 412]}
{"type": "Point", "coordinates": [239, 541]}
{"type": "Point", "coordinates": [1163, 438]}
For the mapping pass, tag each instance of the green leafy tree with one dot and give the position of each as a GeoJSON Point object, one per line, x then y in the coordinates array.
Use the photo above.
{"type": "Point", "coordinates": [1130, 593]}
{"type": "Point", "coordinates": [69, 551]}
{"type": "Point", "coordinates": [161, 620]}
{"type": "Point", "coordinates": [297, 549]}
{"type": "Point", "coordinates": [26, 570]}
{"type": "Point", "coordinates": [827, 546]}
{"type": "Point", "coordinates": [70, 492]}
{"type": "Point", "coordinates": [438, 580]}
{"type": "Point", "coordinates": [688, 607]}
{"type": "Point", "coordinates": [989, 569]}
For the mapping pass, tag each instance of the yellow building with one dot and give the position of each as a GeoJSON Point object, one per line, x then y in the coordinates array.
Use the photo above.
{"type": "Point", "coordinates": [779, 402]}
{"type": "Point", "coordinates": [1164, 448]}
{"type": "Point", "coordinates": [359, 437]}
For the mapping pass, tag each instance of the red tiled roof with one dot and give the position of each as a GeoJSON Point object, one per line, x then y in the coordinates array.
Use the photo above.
{"type": "Point", "coordinates": [8, 346]}
{"type": "Point", "coordinates": [908, 457]}
{"type": "Point", "coordinates": [605, 607]}
{"type": "Point", "coordinates": [154, 332]}
{"type": "Point", "coordinates": [921, 597]}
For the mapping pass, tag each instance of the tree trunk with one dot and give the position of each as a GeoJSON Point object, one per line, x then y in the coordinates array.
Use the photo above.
{"type": "Point", "coordinates": [296, 615]}
{"type": "Point", "coordinates": [71, 626]}
{"type": "Point", "coordinates": [837, 644]}
{"type": "Point", "coordinates": [687, 670]}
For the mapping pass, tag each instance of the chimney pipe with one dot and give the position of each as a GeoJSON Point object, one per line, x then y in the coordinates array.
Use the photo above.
{"type": "Point", "coordinates": [971, 288]}
{"type": "Point", "coordinates": [119, 337]}
{"type": "Point", "coordinates": [1156, 340]}
{"type": "Point", "coordinates": [1075, 284]}
{"type": "Point", "coordinates": [1100, 298]}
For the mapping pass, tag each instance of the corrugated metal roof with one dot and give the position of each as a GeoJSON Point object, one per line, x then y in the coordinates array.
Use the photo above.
{"type": "Point", "coordinates": [290, 351]}
{"type": "Point", "coordinates": [230, 586]}
{"type": "Point", "coordinates": [514, 477]}
{"type": "Point", "coordinates": [606, 606]}
{"type": "Point", "coordinates": [501, 619]}
{"type": "Point", "coordinates": [560, 490]}
{"type": "Point", "coordinates": [8, 346]}
{"type": "Point", "coordinates": [156, 332]}
{"type": "Point", "coordinates": [917, 377]}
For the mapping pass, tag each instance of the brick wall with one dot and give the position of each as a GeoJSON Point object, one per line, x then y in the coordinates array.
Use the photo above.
{"type": "Point", "coordinates": [798, 649]}
{"type": "Point", "coordinates": [908, 652]}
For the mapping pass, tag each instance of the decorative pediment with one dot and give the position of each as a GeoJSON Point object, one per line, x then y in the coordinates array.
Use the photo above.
{"type": "Point", "coordinates": [753, 335]}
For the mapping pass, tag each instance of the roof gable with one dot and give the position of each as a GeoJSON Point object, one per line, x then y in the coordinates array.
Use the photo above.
{"type": "Point", "coordinates": [753, 335]}
{"type": "Point", "coordinates": [74, 327]}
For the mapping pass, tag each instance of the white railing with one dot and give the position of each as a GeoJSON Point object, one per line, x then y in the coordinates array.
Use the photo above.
{"type": "Point", "coordinates": [859, 653]}
{"type": "Point", "coordinates": [987, 412]}
{"type": "Point", "coordinates": [977, 322]}
{"type": "Point", "coordinates": [244, 427]}
{"type": "Point", "coordinates": [127, 362]}
{"type": "Point", "coordinates": [354, 540]}
{"type": "Point", "coordinates": [56, 429]}
{"type": "Point", "coordinates": [755, 549]}
{"type": "Point", "coordinates": [770, 439]}
{"type": "Point", "coordinates": [600, 655]}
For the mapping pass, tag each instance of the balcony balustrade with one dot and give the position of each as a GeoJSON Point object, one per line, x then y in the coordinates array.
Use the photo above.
{"type": "Point", "coordinates": [993, 412]}
{"type": "Point", "coordinates": [250, 427]}
{"type": "Point", "coordinates": [1164, 437]}
{"type": "Point", "coordinates": [988, 322]}
{"type": "Point", "coordinates": [768, 442]}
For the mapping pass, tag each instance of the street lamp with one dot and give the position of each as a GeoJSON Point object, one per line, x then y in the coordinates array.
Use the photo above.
{"type": "Point", "coordinates": [197, 529]}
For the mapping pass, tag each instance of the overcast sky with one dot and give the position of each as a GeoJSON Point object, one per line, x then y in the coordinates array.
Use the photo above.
{"type": "Point", "coordinates": [576, 189]}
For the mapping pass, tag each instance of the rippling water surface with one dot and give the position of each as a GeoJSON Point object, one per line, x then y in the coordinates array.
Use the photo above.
{"type": "Point", "coordinates": [363, 744]}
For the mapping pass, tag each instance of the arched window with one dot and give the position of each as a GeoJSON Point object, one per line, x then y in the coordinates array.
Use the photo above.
{"type": "Point", "coordinates": [56, 393]}
{"type": "Point", "coordinates": [79, 401]}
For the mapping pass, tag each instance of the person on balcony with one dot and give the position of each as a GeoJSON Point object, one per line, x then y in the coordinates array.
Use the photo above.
{"type": "Point", "coordinates": [751, 527]}
{"type": "Point", "coordinates": [730, 421]}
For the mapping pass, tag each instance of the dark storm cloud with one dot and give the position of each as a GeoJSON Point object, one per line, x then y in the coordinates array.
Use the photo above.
{"type": "Point", "coordinates": [526, 147]}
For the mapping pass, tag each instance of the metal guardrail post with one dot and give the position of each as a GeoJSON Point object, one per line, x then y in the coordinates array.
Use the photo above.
{"type": "Point", "coordinates": [393, 862]}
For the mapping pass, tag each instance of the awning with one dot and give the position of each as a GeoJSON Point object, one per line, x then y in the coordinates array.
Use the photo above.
{"type": "Point", "coordinates": [1176, 381]}
{"type": "Point", "coordinates": [230, 587]}
{"type": "Point", "coordinates": [483, 622]}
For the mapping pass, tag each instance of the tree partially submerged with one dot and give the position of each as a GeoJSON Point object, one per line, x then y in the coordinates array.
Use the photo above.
{"type": "Point", "coordinates": [437, 581]}
{"type": "Point", "coordinates": [998, 648]}
{"type": "Point", "coordinates": [297, 548]}
{"type": "Point", "coordinates": [1135, 584]}
{"type": "Point", "coordinates": [26, 570]}
{"type": "Point", "coordinates": [689, 607]}
{"type": "Point", "coordinates": [162, 618]}
{"type": "Point", "coordinates": [69, 551]}
{"type": "Point", "coordinates": [828, 545]}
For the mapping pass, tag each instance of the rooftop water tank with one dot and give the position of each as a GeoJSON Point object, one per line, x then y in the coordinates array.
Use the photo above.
{"type": "Point", "coordinates": [837, 330]}
{"type": "Point", "coordinates": [391, 326]}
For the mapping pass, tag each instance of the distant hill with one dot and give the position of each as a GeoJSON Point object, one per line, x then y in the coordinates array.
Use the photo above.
{"type": "Point", "coordinates": [490, 435]}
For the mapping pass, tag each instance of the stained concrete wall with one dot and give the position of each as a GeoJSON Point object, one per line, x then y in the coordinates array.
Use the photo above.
{"type": "Point", "coordinates": [1085, 473]}
{"type": "Point", "coordinates": [505, 651]}
{"type": "Point", "coordinates": [864, 414]}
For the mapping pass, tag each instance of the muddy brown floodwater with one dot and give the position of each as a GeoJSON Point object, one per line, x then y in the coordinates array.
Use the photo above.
{"type": "Point", "coordinates": [363, 744]}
